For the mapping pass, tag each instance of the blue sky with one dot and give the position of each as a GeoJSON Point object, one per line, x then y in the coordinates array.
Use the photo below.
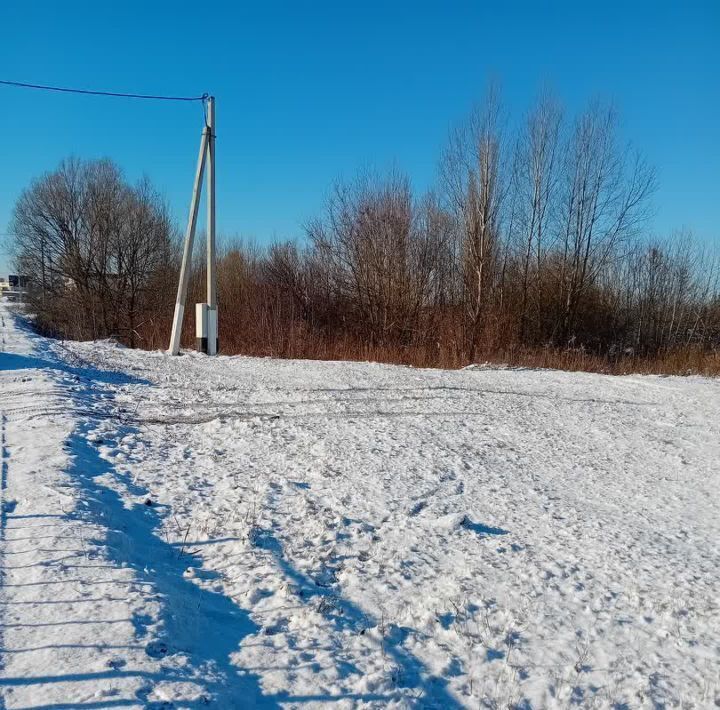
{"type": "Point", "coordinates": [309, 91]}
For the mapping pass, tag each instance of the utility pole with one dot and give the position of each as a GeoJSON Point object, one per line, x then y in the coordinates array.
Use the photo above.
{"type": "Point", "coordinates": [212, 334]}
{"type": "Point", "coordinates": [205, 313]}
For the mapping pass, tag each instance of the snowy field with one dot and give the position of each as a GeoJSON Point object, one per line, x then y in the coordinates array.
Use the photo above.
{"type": "Point", "coordinates": [239, 532]}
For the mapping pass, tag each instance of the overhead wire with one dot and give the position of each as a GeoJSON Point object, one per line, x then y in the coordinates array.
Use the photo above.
{"type": "Point", "coordinates": [93, 92]}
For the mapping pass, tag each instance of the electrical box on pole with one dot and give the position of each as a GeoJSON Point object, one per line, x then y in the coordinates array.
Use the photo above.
{"type": "Point", "coordinates": [206, 329]}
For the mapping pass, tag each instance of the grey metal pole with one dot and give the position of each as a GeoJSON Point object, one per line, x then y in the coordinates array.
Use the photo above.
{"type": "Point", "coordinates": [211, 259]}
{"type": "Point", "coordinates": [174, 348]}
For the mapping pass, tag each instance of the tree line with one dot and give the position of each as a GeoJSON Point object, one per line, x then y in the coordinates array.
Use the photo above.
{"type": "Point", "coordinates": [532, 248]}
{"type": "Point", "coordinates": [99, 254]}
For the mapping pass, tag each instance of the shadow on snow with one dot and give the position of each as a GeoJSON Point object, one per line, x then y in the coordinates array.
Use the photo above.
{"type": "Point", "coordinates": [347, 616]}
{"type": "Point", "coordinates": [206, 627]}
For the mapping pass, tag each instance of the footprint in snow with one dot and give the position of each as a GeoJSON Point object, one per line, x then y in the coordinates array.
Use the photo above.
{"type": "Point", "coordinates": [157, 649]}
{"type": "Point", "coordinates": [417, 508]}
{"type": "Point", "coordinates": [8, 506]}
{"type": "Point", "coordinates": [460, 521]}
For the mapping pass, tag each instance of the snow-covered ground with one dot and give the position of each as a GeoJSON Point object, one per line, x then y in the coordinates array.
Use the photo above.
{"type": "Point", "coordinates": [241, 532]}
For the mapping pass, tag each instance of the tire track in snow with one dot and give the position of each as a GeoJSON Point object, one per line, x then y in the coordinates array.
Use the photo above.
{"type": "Point", "coordinates": [4, 455]}
{"type": "Point", "coordinates": [3, 513]}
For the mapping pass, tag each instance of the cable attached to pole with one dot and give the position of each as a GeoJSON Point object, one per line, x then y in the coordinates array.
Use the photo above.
{"type": "Point", "coordinates": [90, 92]}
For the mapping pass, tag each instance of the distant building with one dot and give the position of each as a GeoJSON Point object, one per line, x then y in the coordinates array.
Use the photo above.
{"type": "Point", "coordinates": [17, 282]}
{"type": "Point", "coordinates": [13, 287]}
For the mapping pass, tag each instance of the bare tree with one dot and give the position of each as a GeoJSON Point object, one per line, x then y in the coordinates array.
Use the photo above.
{"type": "Point", "coordinates": [475, 183]}
{"type": "Point", "coordinates": [380, 250]}
{"type": "Point", "coordinates": [535, 182]}
{"type": "Point", "coordinates": [604, 204]}
{"type": "Point", "coordinates": [142, 257]}
{"type": "Point", "coordinates": [91, 245]}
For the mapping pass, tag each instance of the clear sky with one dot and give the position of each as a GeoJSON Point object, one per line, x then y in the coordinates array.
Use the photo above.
{"type": "Point", "coordinates": [308, 91]}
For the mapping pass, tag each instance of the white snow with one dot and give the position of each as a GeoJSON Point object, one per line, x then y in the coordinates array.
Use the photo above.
{"type": "Point", "coordinates": [243, 532]}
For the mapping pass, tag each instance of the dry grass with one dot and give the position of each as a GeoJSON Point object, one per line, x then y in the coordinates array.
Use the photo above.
{"type": "Point", "coordinates": [295, 341]}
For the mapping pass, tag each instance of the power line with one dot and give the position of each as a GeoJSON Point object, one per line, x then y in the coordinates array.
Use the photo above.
{"type": "Point", "coordinates": [66, 90]}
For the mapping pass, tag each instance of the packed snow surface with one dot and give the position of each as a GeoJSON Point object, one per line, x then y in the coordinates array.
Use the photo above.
{"type": "Point", "coordinates": [238, 532]}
